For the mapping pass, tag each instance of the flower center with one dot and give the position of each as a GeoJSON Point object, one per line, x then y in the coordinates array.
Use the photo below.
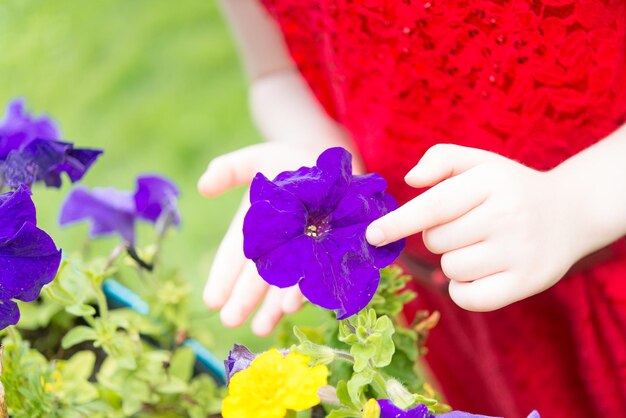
{"type": "Point", "coordinates": [317, 228]}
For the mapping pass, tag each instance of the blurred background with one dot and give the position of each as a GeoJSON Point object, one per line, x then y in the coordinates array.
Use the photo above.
{"type": "Point", "coordinates": [157, 85]}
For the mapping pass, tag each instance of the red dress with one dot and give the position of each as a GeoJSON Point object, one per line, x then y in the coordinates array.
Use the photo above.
{"type": "Point", "coordinates": [533, 80]}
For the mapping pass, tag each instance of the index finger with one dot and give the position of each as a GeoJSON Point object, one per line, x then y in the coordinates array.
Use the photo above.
{"type": "Point", "coordinates": [440, 204]}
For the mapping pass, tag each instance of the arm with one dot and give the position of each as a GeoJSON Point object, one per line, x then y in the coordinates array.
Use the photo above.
{"type": "Point", "coordinates": [282, 105]}
{"type": "Point", "coordinates": [506, 231]}
{"type": "Point", "coordinates": [297, 129]}
{"type": "Point", "coordinates": [596, 180]}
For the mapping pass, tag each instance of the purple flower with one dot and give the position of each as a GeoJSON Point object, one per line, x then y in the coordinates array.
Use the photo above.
{"type": "Point", "coordinates": [307, 227]}
{"type": "Point", "coordinates": [239, 358]}
{"type": "Point", "coordinates": [19, 128]}
{"type": "Point", "coordinates": [31, 150]}
{"type": "Point", "coordinates": [389, 410]}
{"type": "Point", "coordinates": [155, 197]}
{"type": "Point", "coordinates": [29, 258]}
{"type": "Point", "coordinates": [115, 211]}
{"type": "Point", "coordinates": [459, 414]}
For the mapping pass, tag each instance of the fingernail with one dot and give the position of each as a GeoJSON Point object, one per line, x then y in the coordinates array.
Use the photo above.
{"type": "Point", "coordinates": [375, 236]}
{"type": "Point", "coordinates": [414, 173]}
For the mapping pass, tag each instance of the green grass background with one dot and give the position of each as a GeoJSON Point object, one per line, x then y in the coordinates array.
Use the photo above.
{"type": "Point", "coordinates": [157, 84]}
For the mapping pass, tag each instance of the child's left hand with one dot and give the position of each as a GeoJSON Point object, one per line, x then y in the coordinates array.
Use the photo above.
{"type": "Point", "coordinates": [505, 231]}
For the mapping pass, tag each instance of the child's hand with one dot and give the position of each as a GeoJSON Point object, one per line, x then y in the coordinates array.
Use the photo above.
{"type": "Point", "coordinates": [505, 231]}
{"type": "Point", "coordinates": [234, 285]}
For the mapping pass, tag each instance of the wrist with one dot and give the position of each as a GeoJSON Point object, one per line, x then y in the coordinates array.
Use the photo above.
{"type": "Point", "coordinates": [286, 111]}
{"type": "Point", "coordinates": [594, 200]}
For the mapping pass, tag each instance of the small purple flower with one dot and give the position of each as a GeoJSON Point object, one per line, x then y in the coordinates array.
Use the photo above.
{"type": "Point", "coordinates": [18, 128]}
{"type": "Point", "coordinates": [29, 258]}
{"type": "Point", "coordinates": [157, 197]}
{"type": "Point", "coordinates": [31, 150]}
{"type": "Point", "coordinates": [239, 358]}
{"type": "Point", "coordinates": [307, 227]}
{"type": "Point", "coordinates": [389, 410]}
{"type": "Point", "coordinates": [110, 211]}
{"type": "Point", "coordinates": [460, 414]}
{"type": "Point", "coordinates": [115, 211]}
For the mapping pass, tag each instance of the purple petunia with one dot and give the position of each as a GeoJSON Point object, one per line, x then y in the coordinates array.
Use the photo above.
{"type": "Point", "coordinates": [29, 258]}
{"type": "Point", "coordinates": [389, 410]}
{"type": "Point", "coordinates": [31, 150]}
{"type": "Point", "coordinates": [115, 211]}
{"type": "Point", "coordinates": [307, 227]}
{"type": "Point", "coordinates": [239, 358]}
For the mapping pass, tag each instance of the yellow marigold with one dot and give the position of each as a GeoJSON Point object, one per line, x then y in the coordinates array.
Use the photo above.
{"type": "Point", "coordinates": [273, 384]}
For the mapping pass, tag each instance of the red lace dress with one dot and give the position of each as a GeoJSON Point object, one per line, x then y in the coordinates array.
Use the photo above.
{"type": "Point", "coordinates": [534, 80]}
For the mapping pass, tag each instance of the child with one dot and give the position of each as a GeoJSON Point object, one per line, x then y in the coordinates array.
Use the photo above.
{"type": "Point", "coordinates": [527, 206]}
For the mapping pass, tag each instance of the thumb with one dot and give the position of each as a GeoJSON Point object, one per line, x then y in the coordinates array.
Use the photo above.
{"type": "Point", "coordinates": [443, 161]}
{"type": "Point", "coordinates": [230, 170]}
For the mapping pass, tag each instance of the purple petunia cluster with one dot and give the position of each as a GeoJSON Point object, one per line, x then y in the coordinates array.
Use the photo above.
{"type": "Point", "coordinates": [29, 258]}
{"type": "Point", "coordinates": [31, 150]}
{"type": "Point", "coordinates": [307, 227]}
{"type": "Point", "coordinates": [115, 211]}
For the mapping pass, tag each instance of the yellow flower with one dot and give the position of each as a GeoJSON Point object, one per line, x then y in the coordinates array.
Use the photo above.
{"type": "Point", "coordinates": [273, 384]}
{"type": "Point", "coordinates": [371, 409]}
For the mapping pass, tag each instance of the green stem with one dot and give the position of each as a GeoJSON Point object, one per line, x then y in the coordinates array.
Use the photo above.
{"type": "Point", "coordinates": [291, 414]}
{"type": "Point", "coordinates": [343, 355]}
{"type": "Point", "coordinates": [13, 334]}
{"type": "Point", "coordinates": [102, 302]}
{"type": "Point", "coordinates": [90, 320]}
{"type": "Point", "coordinates": [380, 385]}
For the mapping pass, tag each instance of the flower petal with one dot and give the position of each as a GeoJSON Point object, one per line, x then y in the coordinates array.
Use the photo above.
{"type": "Point", "coordinates": [18, 128]}
{"type": "Point", "coordinates": [110, 211]}
{"type": "Point", "coordinates": [239, 358]}
{"type": "Point", "coordinates": [347, 279]}
{"type": "Point", "coordinates": [389, 410]}
{"type": "Point", "coordinates": [76, 163]}
{"type": "Point", "coordinates": [274, 218]}
{"type": "Point", "coordinates": [156, 195]}
{"type": "Point", "coordinates": [461, 414]}
{"type": "Point", "coordinates": [18, 169]}
{"type": "Point", "coordinates": [320, 188]}
{"type": "Point", "coordinates": [9, 313]}
{"type": "Point", "coordinates": [16, 208]}
{"type": "Point", "coordinates": [55, 157]}
{"type": "Point", "coordinates": [28, 261]}
{"type": "Point", "coordinates": [288, 263]}
{"type": "Point", "coordinates": [364, 201]}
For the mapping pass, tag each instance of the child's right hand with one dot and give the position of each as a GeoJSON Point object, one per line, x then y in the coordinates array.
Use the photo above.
{"type": "Point", "coordinates": [234, 286]}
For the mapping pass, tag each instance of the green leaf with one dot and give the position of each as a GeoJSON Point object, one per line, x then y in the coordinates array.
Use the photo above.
{"type": "Point", "coordinates": [78, 335]}
{"type": "Point", "coordinates": [181, 365]}
{"type": "Point", "coordinates": [80, 365]}
{"type": "Point", "coordinates": [343, 395]}
{"type": "Point", "coordinates": [81, 310]}
{"type": "Point", "coordinates": [356, 386]}
{"type": "Point", "coordinates": [172, 386]}
{"type": "Point", "coordinates": [399, 395]}
{"type": "Point", "coordinates": [362, 354]}
{"type": "Point", "coordinates": [319, 354]}
{"type": "Point", "coordinates": [343, 413]}
{"type": "Point", "coordinates": [405, 340]}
